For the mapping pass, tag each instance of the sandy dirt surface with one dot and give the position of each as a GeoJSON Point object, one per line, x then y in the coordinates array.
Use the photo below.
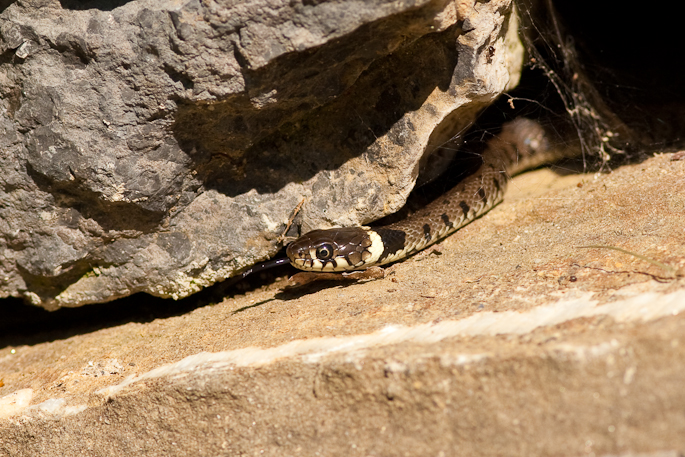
{"type": "Point", "coordinates": [523, 255]}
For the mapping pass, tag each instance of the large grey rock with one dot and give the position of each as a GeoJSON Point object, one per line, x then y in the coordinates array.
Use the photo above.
{"type": "Point", "coordinates": [160, 146]}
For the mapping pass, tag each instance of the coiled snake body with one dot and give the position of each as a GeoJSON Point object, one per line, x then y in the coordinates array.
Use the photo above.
{"type": "Point", "coordinates": [521, 145]}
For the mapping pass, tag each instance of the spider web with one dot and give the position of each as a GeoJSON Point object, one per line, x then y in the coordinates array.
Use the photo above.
{"type": "Point", "coordinates": [552, 51]}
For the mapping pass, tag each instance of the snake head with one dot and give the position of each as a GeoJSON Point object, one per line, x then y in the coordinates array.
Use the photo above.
{"type": "Point", "coordinates": [342, 249]}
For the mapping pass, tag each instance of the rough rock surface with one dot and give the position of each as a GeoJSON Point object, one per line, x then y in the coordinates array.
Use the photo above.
{"type": "Point", "coordinates": [512, 341]}
{"type": "Point", "coordinates": [159, 146]}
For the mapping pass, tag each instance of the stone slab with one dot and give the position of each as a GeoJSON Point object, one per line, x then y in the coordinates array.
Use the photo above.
{"type": "Point", "coordinates": [506, 339]}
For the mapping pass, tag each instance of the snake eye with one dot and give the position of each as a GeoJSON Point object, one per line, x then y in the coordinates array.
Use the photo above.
{"type": "Point", "coordinates": [324, 252]}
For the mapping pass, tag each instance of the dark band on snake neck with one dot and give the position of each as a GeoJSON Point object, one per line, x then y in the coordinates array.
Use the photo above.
{"type": "Point", "coordinates": [522, 145]}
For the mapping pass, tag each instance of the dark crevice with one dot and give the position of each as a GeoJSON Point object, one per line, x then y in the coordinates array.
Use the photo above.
{"type": "Point", "coordinates": [177, 76]}
{"type": "Point", "coordinates": [23, 324]}
{"type": "Point", "coordinates": [103, 5]}
{"type": "Point", "coordinates": [4, 4]}
{"type": "Point", "coordinates": [635, 72]}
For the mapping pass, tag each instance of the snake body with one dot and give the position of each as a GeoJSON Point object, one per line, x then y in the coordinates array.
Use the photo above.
{"type": "Point", "coordinates": [523, 144]}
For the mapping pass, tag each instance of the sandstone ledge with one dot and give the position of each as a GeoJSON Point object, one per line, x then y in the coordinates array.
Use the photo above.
{"type": "Point", "coordinates": [511, 342]}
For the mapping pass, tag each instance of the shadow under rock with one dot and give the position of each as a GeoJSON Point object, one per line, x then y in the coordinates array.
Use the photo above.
{"type": "Point", "coordinates": [102, 5]}
{"type": "Point", "coordinates": [22, 324]}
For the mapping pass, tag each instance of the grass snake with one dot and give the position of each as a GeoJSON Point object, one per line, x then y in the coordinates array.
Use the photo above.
{"type": "Point", "coordinates": [523, 144]}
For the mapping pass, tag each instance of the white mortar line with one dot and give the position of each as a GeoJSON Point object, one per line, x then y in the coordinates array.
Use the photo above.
{"type": "Point", "coordinates": [644, 307]}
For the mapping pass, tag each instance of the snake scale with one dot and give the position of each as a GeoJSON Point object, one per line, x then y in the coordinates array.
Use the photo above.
{"type": "Point", "coordinates": [523, 144]}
